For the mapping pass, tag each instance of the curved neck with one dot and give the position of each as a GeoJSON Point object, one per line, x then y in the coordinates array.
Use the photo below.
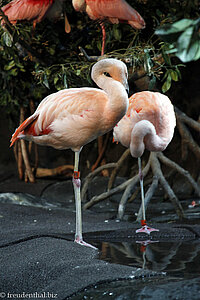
{"type": "Point", "coordinates": [117, 96]}
{"type": "Point", "coordinates": [144, 136]}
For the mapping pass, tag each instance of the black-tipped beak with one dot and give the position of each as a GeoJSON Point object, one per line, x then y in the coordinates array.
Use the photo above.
{"type": "Point", "coordinates": [127, 88]}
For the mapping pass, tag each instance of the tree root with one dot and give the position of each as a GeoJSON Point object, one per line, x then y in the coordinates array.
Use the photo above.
{"type": "Point", "coordinates": [91, 175]}
{"type": "Point", "coordinates": [61, 170]}
{"type": "Point", "coordinates": [153, 163]}
{"type": "Point", "coordinates": [118, 167]}
{"type": "Point", "coordinates": [180, 170]}
{"type": "Point", "coordinates": [158, 176]}
{"type": "Point", "coordinates": [128, 191]}
{"type": "Point", "coordinates": [22, 156]}
{"type": "Point", "coordinates": [129, 185]}
{"type": "Point", "coordinates": [105, 195]}
{"type": "Point", "coordinates": [101, 150]}
{"type": "Point", "coordinates": [28, 172]}
{"type": "Point", "coordinates": [148, 196]}
{"type": "Point", "coordinates": [156, 169]}
{"type": "Point", "coordinates": [187, 139]}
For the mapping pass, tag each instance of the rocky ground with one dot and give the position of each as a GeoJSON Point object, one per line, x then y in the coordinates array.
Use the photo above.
{"type": "Point", "coordinates": [38, 254]}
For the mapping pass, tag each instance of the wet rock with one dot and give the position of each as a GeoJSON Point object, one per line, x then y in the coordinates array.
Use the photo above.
{"type": "Point", "coordinates": [154, 288]}
{"type": "Point", "coordinates": [59, 194]}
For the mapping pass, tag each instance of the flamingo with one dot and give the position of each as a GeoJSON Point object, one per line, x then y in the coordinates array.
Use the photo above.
{"type": "Point", "coordinates": [71, 118]}
{"type": "Point", "coordinates": [114, 11]}
{"type": "Point", "coordinates": [149, 123]}
{"type": "Point", "coordinates": [34, 10]}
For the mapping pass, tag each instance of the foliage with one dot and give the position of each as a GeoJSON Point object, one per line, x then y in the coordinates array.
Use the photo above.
{"type": "Point", "coordinates": [36, 63]}
{"type": "Point", "coordinates": [183, 37]}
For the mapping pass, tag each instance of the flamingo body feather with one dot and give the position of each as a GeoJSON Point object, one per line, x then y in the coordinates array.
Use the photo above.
{"type": "Point", "coordinates": [71, 118]}
{"type": "Point", "coordinates": [113, 10]}
{"type": "Point", "coordinates": [32, 10]}
{"type": "Point", "coordinates": [149, 123]}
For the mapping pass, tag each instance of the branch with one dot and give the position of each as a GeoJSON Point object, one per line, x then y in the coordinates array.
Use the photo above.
{"type": "Point", "coordinates": [105, 195]}
{"type": "Point", "coordinates": [156, 169]}
{"type": "Point", "coordinates": [101, 149]}
{"type": "Point", "coordinates": [187, 120]}
{"type": "Point", "coordinates": [89, 58]}
{"type": "Point", "coordinates": [91, 175]}
{"type": "Point", "coordinates": [148, 196]}
{"type": "Point", "coordinates": [180, 170]}
{"type": "Point", "coordinates": [61, 170]}
{"type": "Point", "coordinates": [188, 139]}
{"type": "Point", "coordinates": [118, 167]}
{"type": "Point", "coordinates": [26, 162]}
{"type": "Point", "coordinates": [129, 189]}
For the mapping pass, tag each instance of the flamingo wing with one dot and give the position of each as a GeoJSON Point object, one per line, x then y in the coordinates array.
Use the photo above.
{"type": "Point", "coordinates": [115, 11]}
{"type": "Point", "coordinates": [20, 130]}
{"type": "Point", "coordinates": [150, 106]}
{"type": "Point", "coordinates": [67, 119]}
{"type": "Point", "coordinates": [155, 108]}
{"type": "Point", "coordinates": [27, 10]}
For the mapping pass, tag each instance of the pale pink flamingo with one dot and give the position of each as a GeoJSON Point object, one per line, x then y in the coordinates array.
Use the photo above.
{"type": "Point", "coordinates": [34, 10]}
{"type": "Point", "coordinates": [149, 123]}
{"type": "Point", "coordinates": [74, 117]}
{"type": "Point", "coordinates": [114, 11]}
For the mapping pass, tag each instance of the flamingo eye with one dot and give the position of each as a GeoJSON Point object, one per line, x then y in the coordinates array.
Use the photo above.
{"type": "Point", "coordinates": [106, 74]}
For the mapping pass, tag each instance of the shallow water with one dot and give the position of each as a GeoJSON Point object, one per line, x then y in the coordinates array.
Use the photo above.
{"type": "Point", "coordinates": [176, 258]}
{"type": "Point", "coordinates": [178, 265]}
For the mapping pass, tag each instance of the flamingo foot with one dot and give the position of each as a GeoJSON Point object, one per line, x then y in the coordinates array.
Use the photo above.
{"type": "Point", "coordinates": [82, 243]}
{"type": "Point", "coordinates": [146, 229]}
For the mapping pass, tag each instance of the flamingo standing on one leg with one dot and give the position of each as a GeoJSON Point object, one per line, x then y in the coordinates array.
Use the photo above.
{"type": "Point", "coordinates": [34, 10]}
{"type": "Point", "coordinates": [149, 123]}
{"type": "Point", "coordinates": [114, 11]}
{"type": "Point", "coordinates": [74, 117]}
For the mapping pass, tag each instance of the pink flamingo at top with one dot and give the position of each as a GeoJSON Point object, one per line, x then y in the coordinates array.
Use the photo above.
{"type": "Point", "coordinates": [114, 11]}
{"type": "Point", "coordinates": [149, 123]}
{"type": "Point", "coordinates": [34, 10]}
{"type": "Point", "coordinates": [74, 117]}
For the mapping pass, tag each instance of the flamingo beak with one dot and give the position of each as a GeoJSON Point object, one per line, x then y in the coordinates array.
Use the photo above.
{"type": "Point", "coordinates": [126, 86]}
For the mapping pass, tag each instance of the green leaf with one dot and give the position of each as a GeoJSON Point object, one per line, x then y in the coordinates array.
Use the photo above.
{"type": "Point", "coordinates": [55, 80]}
{"type": "Point", "coordinates": [188, 45]}
{"type": "Point", "coordinates": [45, 81]}
{"type": "Point", "coordinates": [167, 84]}
{"type": "Point", "coordinates": [117, 33]}
{"type": "Point", "coordinates": [182, 25]}
{"type": "Point", "coordinates": [166, 57]}
{"type": "Point", "coordinates": [9, 66]}
{"type": "Point", "coordinates": [184, 38]}
{"type": "Point", "coordinates": [174, 75]}
{"type": "Point", "coordinates": [14, 72]}
{"type": "Point", "coordinates": [177, 27]}
{"type": "Point", "coordinates": [65, 81]}
{"type": "Point", "coordinates": [7, 38]}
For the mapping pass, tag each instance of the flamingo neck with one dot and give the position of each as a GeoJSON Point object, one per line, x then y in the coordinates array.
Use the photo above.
{"type": "Point", "coordinates": [117, 95]}
{"type": "Point", "coordinates": [144, 136]}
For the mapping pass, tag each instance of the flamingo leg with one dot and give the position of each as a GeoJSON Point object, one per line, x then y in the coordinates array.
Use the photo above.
{"type": "Point", "coordinates": [146, 229]}
{"type": "Point", "coordinates": [103, 38]}
{"type": "Point", "coordinates": [77, 185]}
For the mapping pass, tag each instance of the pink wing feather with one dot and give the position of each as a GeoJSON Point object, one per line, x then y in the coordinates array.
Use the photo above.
{"type": "Point", "coordinates": [114, 9]}
{"type": "Point", "coordinates": [68, 119]}
{"type": "Point", "coordinates": [26, 10]}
